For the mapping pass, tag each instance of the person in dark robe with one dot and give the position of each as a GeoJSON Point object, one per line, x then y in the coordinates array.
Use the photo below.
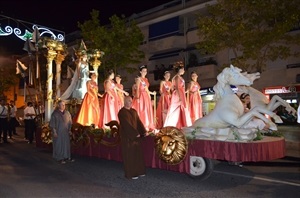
{"type": "Point", "coordinates": [60, 124]}
{"type": "Point", "coordinates": [131, 132]}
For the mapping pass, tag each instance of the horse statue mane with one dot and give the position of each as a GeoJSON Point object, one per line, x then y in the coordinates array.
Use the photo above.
{"type": "Point", "coordinates": [223, 80]}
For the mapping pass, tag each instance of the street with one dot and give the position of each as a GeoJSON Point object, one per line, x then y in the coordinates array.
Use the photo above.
{"type": "Point", "coordinates": [27, 171]}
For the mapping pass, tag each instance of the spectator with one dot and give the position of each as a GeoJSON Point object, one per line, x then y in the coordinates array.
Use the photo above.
{"type": "Point", "coordinates": [12, 122]}
{"type": "Point", "coordinates": [29, 116]}
{"type": "Point", "coordinates": [3, 121]}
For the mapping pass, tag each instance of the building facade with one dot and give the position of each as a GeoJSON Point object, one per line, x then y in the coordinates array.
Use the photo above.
{"type": "Point", "coordinates": [170, 34]}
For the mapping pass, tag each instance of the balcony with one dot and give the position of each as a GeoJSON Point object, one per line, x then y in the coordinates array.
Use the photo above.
{"type": "Point", "coordinates": [164, 44]}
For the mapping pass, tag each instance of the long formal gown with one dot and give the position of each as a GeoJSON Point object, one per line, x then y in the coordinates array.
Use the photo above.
{"type": "Point", "coordinates": [163, 104]}
{"type": "Point", "coordinates": [89, 112]}
{"type": "Point", "coordinates": [178, 114]}
{"type": "Point", "coordinates": [77, 88]}
{"type": "Point", "coordinates": [120, 95]}
{"type": "Point", "coordinates": [81, 89]}
{"type": "Point", "coordinates": [143, 105]}
{"type": "Point", "coordinates": [110, 103]}
{"type": "Point", "coordinates": [195, 102]}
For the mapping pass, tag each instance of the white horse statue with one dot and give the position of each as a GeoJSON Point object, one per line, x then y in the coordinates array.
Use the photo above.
{"type": "Point", "coordinates": [228, 118]}
{"type": "Point", "coordinates": [258, 99]}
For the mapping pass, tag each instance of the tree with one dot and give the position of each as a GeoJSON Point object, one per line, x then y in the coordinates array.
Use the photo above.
{"type": "Point", "coordinates": [255, 30]}
{"type": "Point", "coordinates": [120, 41]}
{"type": "Point", "coordinates": [7, 77]}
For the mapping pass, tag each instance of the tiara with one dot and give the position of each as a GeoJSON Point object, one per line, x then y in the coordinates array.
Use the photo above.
{"type": "Point", "coordinates": [143, 66]}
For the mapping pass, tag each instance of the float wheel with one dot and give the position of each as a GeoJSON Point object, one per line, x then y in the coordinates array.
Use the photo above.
{"type": "Point", "coordinates": [200, 167]}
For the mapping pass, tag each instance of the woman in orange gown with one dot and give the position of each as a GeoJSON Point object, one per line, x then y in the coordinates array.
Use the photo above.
{"type": "Point", "coordinates": [194, 98]}
{"type": "Point", "coordinates": [178, 114]}
{"type": "Point", "coordinates": [142, 102]}
{"type": "Point", "coordinates": [164, 100]}
{"type": "Point", "coordinates": [89, 112]}
{"type": "Point", "coordinates": [111, 102]}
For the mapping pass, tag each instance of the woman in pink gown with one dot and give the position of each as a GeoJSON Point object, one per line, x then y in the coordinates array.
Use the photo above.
{"type": "Point", "coordinates": [142, 101]}
{"type": "Point", "coordinates": [120, 93]}
{"type": "Point", "coordinates": [194, 98]}
{"type": "Point", "coordinates": [89, 112]}
{"type": "Point", "coordinates": [164, 100]}
{"type": "Point", "coordinates": [110, 103]}
{"type": "Point", "coordinates": [178, 114]}
{"type": "Point", "coordinates": [134, 93]}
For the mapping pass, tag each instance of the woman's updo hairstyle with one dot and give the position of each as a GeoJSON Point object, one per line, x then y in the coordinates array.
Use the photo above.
{"type": "Point", "coordinates": [109, 72]}
{"type": "Point", "coordinates": [178, 65]}
{"type": "Point", "coordinates": [243, 96]}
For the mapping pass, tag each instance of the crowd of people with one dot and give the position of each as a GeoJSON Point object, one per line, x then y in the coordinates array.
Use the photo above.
{"type": "Point", "coordinates": [9, 120]}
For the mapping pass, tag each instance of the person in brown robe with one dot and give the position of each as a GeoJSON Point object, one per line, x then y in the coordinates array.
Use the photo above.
{"type": "Point", "coordinates": [131, 132]}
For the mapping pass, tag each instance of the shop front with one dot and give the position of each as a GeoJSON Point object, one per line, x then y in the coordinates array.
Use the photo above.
{"type": "Point", "coordinates": [290, 94]}
{"type": "Point", "coordinates": [208, 102]}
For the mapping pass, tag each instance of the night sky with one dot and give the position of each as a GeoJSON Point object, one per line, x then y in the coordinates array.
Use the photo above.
{"type": "Point", "coordinates": [64, 15]}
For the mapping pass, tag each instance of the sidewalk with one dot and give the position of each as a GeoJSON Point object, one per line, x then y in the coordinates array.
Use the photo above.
{"type": "Point", "coordinates": [291, 134]}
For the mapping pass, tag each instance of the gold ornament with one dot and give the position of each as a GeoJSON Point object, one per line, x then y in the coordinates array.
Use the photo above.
{"type": "Point", "coordinates": [80, 135]}
{"type": "Point", "coordinates": [46, 135]}
{"type": "Point", "coordinates": [171, 145]}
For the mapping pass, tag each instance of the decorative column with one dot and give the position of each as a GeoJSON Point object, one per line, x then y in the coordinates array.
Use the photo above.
{"type": "Point", "coordinates": [94, 60]}
{"type": "Point", "coordinates": [51, 54]}
{"type": "Point", "coordinates": [60, 57]}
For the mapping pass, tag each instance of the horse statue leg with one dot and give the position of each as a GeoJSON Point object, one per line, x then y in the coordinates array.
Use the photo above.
{"type": "Point", "coordinates": [246, 117]}
{"type": "Point", "coordinates": [263, 110]}
{"type": "Point", "coordinates": [276, 101]}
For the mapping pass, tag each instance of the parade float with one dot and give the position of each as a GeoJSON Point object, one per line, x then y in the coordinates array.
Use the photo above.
{"type": "Point", "coordinates": [221, 135]}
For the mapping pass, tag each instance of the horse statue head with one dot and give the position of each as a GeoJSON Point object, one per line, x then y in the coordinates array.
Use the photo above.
{"type": "Point", "coordinates": [230, 76]}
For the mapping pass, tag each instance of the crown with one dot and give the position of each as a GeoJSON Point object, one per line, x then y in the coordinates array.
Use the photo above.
{"type": "Point", "coordinates": [82, 50]}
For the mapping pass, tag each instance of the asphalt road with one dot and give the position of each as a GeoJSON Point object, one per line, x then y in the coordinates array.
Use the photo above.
{"type": "Point", "coordinates": [27, 171]}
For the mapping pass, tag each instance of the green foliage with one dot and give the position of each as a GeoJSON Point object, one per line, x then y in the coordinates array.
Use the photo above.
{"type": "Point", "coordinates": [259, 136]}
{"type": "Point", "coordinates": [7, 78]}
{"type": "Point", "coordinates": [255, 30]}
{"type": "Point", "coordinates": [120, 41]}
{"type": "Point", "coordinates": [274, 134]}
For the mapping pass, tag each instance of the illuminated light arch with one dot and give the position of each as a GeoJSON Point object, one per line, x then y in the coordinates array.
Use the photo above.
{"type": "Point", "coordinates": [24, 30]}
{"type": "Point", "coordinates": [8, 30]}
